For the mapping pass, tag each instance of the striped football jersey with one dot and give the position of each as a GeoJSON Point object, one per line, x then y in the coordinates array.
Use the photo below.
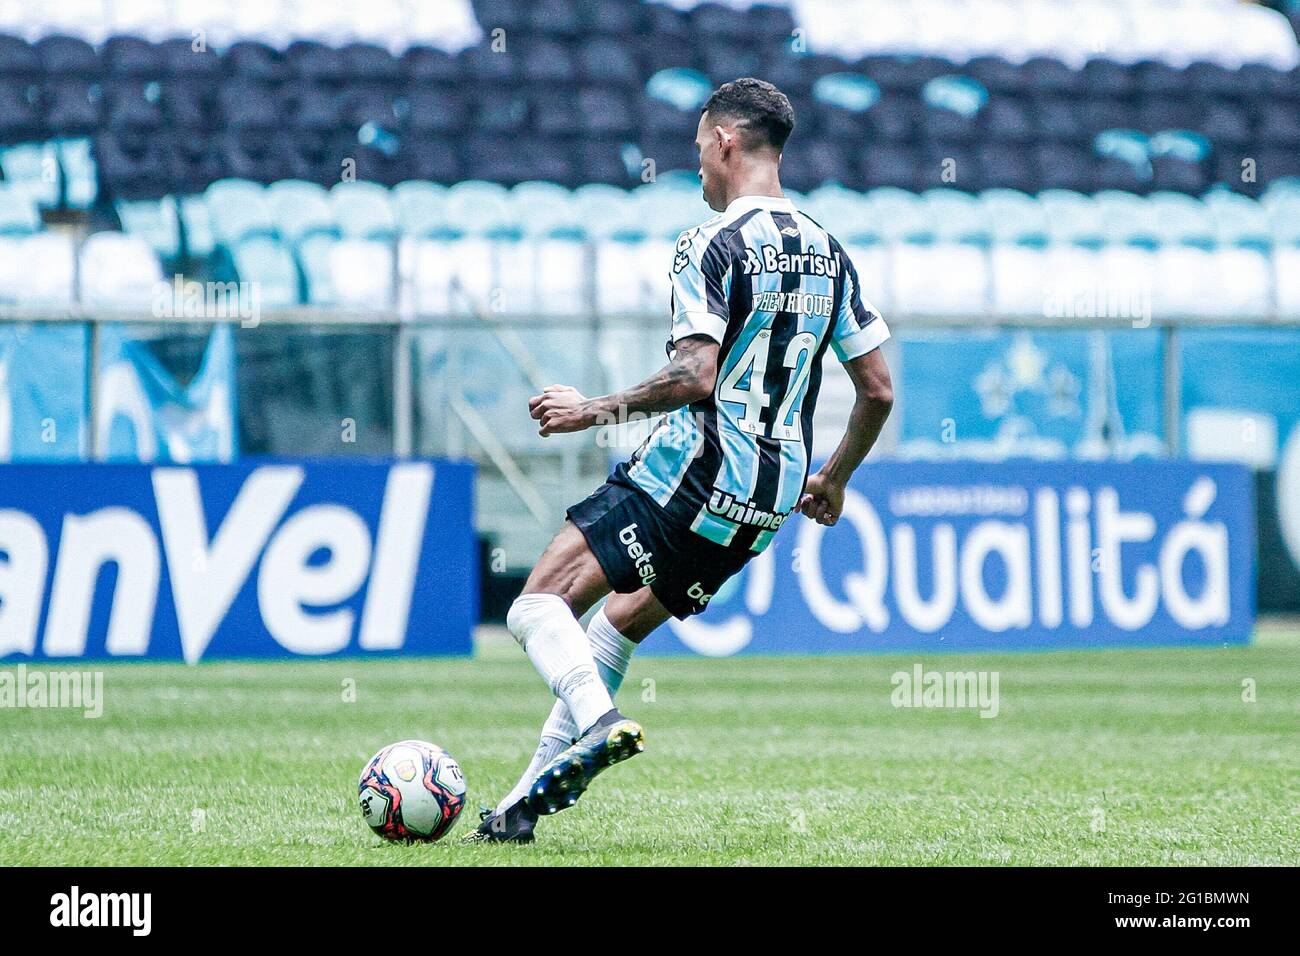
{"type": "Point", "coordinates": [774, 289]}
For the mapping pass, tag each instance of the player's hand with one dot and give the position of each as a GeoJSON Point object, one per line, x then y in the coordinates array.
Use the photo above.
{"type": "Point", "coordinates": [822, 499]}
{"type": "Point", "coordinates": [561, 408]}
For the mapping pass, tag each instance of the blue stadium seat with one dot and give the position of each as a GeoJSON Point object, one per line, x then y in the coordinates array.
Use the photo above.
{"type": "Point", "coordinates": [608, 213]}
{"type": "Point", "coordinates": [18, 213]}
{"type": "Point", "coordinates": [300, 209]}
{"type": "Point", "coordinates": [237, 210]}
{"type": "Point", "coordinates": [264, 260]}
{"type": "Point", "coordinates": [118, 272]}
{"type": "Point", "coordinates": [33, 168]}
{"type": "Point", "coordinates": [154, 221]}
{"type": "Point", "coordinates": [956, 217]}
{"type": "Point", "coordinates": [546, 211]}
{"type": "Point", "coordinates": [1238, 221]}
{"type": "Point", "coordinates": [421, 208]}
{"type": "Point", "coordinates": [1073, 218]}
{"type": "Point", "coordinates": [1014, 217]}
{"type": "Point", "coordinates": [362, 210]}
{"type": "Point", "coordinates": [1182, 220]}
{"type": "Point", "coordinates": [478, 208]}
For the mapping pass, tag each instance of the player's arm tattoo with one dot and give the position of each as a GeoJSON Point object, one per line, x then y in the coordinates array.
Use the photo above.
{"type": "Point", "coordinates": [689, 377]}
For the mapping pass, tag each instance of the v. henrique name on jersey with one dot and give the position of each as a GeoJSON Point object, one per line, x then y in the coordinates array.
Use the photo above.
{"type": "Point", "coordinates": [796, 303]}
{"type": "Point", "coordinates": [726, 506]}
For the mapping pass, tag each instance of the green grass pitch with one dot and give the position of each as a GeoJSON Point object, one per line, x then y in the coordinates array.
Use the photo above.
{"type": "Point", "coordinates": [1096, 757]}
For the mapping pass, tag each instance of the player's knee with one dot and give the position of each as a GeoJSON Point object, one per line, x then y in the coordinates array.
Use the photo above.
{"type": "Point", "coordinates": [528, 612]}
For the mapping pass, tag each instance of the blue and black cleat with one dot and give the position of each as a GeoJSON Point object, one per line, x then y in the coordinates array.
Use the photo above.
{"type": "Point", "coordinates": [514, 825]}
{"type": "Point", "coordinates": [611, 740]}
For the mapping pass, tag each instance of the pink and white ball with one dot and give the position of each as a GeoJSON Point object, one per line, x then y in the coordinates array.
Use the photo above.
{"type": "Point", "coordinates": [412, 791]}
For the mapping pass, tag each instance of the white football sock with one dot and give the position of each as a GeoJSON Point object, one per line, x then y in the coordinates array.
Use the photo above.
{"type": "Point", "coordinates": [613, 654]}
{"type": "Point", "coordinates": [556, 644]}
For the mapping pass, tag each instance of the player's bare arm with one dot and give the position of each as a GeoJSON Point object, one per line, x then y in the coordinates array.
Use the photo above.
{"type": "Point", "coordinates": [823, 497]}
{"type": "Point", "coordinates": [689, 377]}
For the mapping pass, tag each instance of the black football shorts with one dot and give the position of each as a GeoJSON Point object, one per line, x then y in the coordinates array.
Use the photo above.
{"type": "Point", "coordinates": [626, 530]}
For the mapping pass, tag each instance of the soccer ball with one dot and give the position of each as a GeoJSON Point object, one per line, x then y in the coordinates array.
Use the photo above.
{"type": "Point", "coordinates": [411, 790]}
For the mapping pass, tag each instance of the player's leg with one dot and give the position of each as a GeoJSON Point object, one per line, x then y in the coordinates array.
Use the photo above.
{"type": "Point", "coordinates": [613, 634]}
{"type": "Point", "coordinates": [566, 581]}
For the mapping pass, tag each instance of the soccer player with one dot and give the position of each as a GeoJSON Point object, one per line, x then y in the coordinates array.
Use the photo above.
{"type": "Point", "coordinates": [758, 294]}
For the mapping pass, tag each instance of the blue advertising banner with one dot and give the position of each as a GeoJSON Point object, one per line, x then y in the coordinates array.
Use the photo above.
{"type": "Point", "coordinates": [42, 391]}
{"type": "Point", "coordinates": [1048, 394]}
{"type": "Point", "coordinates": [271, 559]}
{"type": "Point", "coordinates": [1018, 555]}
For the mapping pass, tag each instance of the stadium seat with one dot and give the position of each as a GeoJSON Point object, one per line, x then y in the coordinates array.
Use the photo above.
{"type": "Point", "coordinates": [154, 221]}
{"type": "Point", "coordinates": [546, 211]}
{"type": "Point", "coordinates": [196, 227]}
{"type": "Point", "coordinates": [18, 213]}
{"type": "Point", "coordinates": [81, 181]}
{"type": "Point", "coordinates": [118, 272]}
{"type": "Point", "coordinates": [420, 208]}
{"type": "Point", "coordinates": [300, 209]}
{"type": "Point", "coordinates": [362, 210]}
{"type": "Point", "coordinates": [608, 212]}
{"type": "Point", "coordinates": [1011, 216]}
{"type": "Point", "coordinates": [963, 291]}
{"type": "Point", "coordinates": [476, 208]}
{"type": "Point", "coordinates": [32, 168]}
{"type": "Point", "coordinates": [237, 210]}
{"type": "Point", "coordinates": [263, 260]}
{"type": "Point", "coordinates": [50, 286]}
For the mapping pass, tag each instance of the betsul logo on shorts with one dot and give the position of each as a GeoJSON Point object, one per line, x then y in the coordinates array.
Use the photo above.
{"type": "Point", "coordinates": [242, 560]}
{"type": "Point", "coordinates": [639, 555]}
{"type": "Point", "coordinates": [696, 593]}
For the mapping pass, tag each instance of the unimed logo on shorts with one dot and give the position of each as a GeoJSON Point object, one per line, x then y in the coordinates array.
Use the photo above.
{"type": "Point", "coordinates": [78, 909]}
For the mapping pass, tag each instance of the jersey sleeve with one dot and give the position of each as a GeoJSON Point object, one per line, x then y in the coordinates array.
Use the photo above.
{"type": "Point", "coordinates": [859, 327]}
{"type": "Point", "coordinates": [701, 280]}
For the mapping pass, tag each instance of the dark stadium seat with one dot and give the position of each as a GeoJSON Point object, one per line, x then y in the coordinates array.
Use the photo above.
{"type": "Point", "coordinates": [609, 62]}
{"type": "Point", "coordinates": [548, 62]}
{"type": "Point", "coordinates": [256, 62]}
{"type": "Point", "coordinates": [434, 160]}
{"type": "Point", "coordinates": [1007, 120]}
{"type": "Point", "coordinates": [887, 164]}
{"type": "Point", "coordinates": [315, 62]}
{"type": "Point", "coordinates": [601, 161]}
{"type": "Point", "coordinates": [1103, 77]}
{"type": "Point", "coordinates": [421, 65]}
{"type": "Point", "coordinates": [436, 111]}
{"type": "Point", "coordinates": [72, 107]}
{"type": "Point", "coordinates": [573, 77]}
{"type": "Point", "coordinates": [132, 104]}
{"type": "Point", "coordinates": [558, 19]}
{"type": "Point", "coordinates": [18, 59]}
{"type": "Point", "coordinates": [371, 63]}
{"type": "Point", "coordinates": [180, 59]}
{"type": "Point", "coordinates": [247, 103]}
{"type": "Point", "coordinates": [133, 57]}
{"type": "Point", "coordinates": [603, 112]}
{"type": "Point", "coordinates": [64, 57]}
{"type": "Point", "coordinates": [20, 117]}
{"type": "Point", "coordinates": [1047, 76]}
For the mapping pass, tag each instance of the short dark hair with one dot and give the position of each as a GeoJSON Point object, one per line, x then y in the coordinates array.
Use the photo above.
{"type": "Point", "coordinates": [757, 107]}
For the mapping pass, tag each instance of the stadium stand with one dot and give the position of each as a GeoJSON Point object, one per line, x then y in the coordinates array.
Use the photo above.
{"type": "Point", "coordinates": [1011, 140]}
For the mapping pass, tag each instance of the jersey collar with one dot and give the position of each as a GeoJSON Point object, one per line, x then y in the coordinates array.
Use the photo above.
{"type": "Point", "coordinates": [742, 203]}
